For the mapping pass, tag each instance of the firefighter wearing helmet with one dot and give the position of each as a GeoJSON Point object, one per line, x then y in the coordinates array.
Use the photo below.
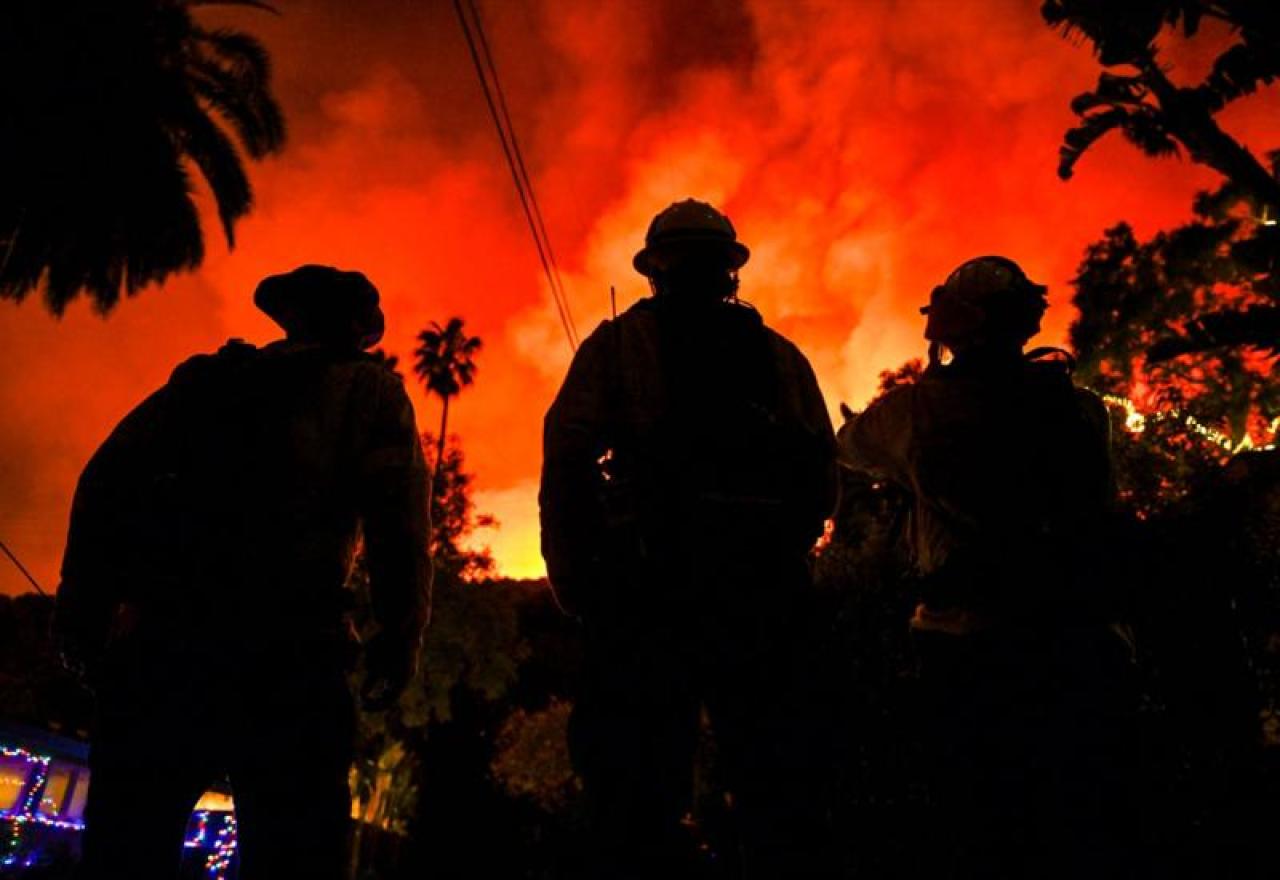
{"type": "Point", "coordinates": [689, 466]}
{"type": "Point", "coordinates": [1008, 467]}
{"type": "Point", "coordinates": [203, 593]}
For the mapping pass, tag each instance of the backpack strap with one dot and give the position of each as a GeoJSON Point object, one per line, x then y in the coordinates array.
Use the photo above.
{"type": "Point", "coordinates": [1048, 354]}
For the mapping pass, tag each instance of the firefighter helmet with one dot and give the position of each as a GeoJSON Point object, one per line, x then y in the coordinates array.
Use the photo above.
{"type": "Point", "coordinates": [690, 224]}
{"type": "Point", "coordinates": [985, 298]}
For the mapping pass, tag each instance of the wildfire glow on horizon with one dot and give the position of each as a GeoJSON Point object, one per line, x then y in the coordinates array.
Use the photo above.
{"type": "Point", "coordinates": [861, 149]}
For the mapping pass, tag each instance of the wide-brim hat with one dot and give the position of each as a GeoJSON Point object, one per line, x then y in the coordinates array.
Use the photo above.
{"type": "Point", "coordinates": [690, 226]}
{"type": "Point", "coordinates": [323, 304]}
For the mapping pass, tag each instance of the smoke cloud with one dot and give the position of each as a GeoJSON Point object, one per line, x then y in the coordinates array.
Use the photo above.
{"type": "Point", "coordinates": [861, 149]}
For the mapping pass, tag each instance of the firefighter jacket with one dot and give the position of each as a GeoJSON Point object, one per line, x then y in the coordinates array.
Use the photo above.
{"type": "Point", "coordinates": [224, 511]}
{"type": "Point", "coordinates": [1009, 468]}
{"type": "Point", "coordinates": [683, 430]}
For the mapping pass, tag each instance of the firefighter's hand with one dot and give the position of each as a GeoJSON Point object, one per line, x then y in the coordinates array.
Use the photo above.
{"type": "Point", "coordinates": [77, 661]}
{"type": "Point", "coordinates": [80, 654]}
{"type": "Point", "coordinates": [390, 664]}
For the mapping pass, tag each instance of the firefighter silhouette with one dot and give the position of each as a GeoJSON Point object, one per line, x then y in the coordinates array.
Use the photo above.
{"type": "Point", "coordinates": [688, 470]}
{"type": "Point", "coordinates": [203, 585]}
{"type": "Point", "coordinates": [1023, 667]}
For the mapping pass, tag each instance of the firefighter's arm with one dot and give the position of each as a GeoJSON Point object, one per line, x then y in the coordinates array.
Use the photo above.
{"type": "Point", "coordinates": [89, 592]}
{"type": "Point", "coordinates": [1104, 595]}
{"type": "Point", "coordinates": [95, 561]}
{"type": "Point", "coordinates": [573, 440]}
{"type": "Point", "coordinates": [820, 479]}
{"type": "Point", "coordinates": [873, 440]}
{"type": "Point", "coordinates": [1099, 419]}
{"type": "Point", "coordinates": [392, 486]}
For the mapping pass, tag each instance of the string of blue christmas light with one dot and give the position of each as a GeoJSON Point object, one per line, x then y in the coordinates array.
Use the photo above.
{"type": "Point", "coordinates": [27, 812]}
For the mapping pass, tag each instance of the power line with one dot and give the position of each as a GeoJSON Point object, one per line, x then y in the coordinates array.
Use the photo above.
{"type": "Point", "coordinates": [22, 568]}
{"type": "Point", "coordinates": [515, 161]}
{"type": "Point", "coordinates": [524, 174]}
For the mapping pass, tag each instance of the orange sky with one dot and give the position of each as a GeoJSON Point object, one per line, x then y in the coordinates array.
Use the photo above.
{"type": "Point", "coordinates": [862, 149]}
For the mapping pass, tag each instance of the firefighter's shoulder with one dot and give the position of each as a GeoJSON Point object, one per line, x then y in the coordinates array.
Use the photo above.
{"type": "Point", "coordinates": [611, 333]}
{"type": "Point", "coordinates": [232, 353]}
{"type": "Point", "coordinates": [787, 353]}
{"type": "Point", "coordinates": [1092, 406]}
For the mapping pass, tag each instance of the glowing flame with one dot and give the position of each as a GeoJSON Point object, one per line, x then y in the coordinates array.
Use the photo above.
{"type": "Point", "coordinates": [1135, 421]}
{"type": "Point", "coordinates": [859, 154]}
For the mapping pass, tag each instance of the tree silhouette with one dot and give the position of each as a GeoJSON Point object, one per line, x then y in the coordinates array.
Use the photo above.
{"type": "Point", "coordinates": [388, 361]}
{"type": "Point", "coordinates": [1152, 112]}
{"type": "Point", "coordinates": [1134, 297]}
{"type": "Point", "coordinates": [445, 362]}
{"type": "Point", "coordinates": [1162, 118]}
{"type": "Point", "coordinates": [106, 108]}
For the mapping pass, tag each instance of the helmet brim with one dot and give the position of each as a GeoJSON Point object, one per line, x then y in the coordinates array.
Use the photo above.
{"type": "Point", "coordinates": [735, 253]}
{"type": "Point", "coordinates": [323, 303]}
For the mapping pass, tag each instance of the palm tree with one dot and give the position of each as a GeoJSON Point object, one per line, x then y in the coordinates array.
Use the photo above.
{"type": "Point", "coordinates": [106, 109]}
{"type": "Point", "coordinates": [1153, 113]}
{"type": "Point", "coordinates": [1136, 97]}
{"type": "Point", "coordinates": [444, 361]}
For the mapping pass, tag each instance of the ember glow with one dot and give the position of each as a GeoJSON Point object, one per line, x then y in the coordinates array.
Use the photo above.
{"type": "Point", "coordinates": [862, 150]}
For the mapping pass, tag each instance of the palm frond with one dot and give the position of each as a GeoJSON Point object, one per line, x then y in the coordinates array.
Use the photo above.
{"type": "Point", "coordinates": [1238, 72]}
{"type": "Point", "coordinates": [246, 105]}
{"type": "Point", "coordinates": [214, 153]}
{"type": "Point", "coordinates": [1083, 136]}
{"type": "Point", "coordinates": [1144, 130]}
{"type": "Point", "coordinates": [243, 53]}
{"type": "Point", "coordinates": [255, 4]}
{"type": "Point", "coordinates": [444, 359]}
{"type": "Point", "coordinates": [105, 108]}
{"type": "Point", "coordinates": [171, 228]}
{"type": "Point", "coordinates": [1111, 89]}
{"type": "Point", "coordinates": [1120, 33]}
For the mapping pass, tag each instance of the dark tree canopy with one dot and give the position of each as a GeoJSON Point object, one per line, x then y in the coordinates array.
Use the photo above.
{"type": "Point", "coordinates": [1137, 301]}
{"type": "Point", "coordinates": [107, 108]}
{"type": "Point", "coordinates": [1193, 309]}
{"type": "Point", "coordinates": [906, 373]}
